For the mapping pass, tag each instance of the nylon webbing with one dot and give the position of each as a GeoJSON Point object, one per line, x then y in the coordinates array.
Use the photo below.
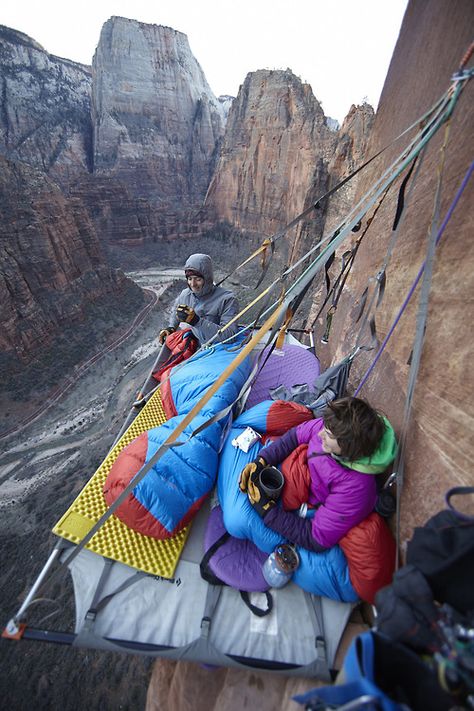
{"type": "Point", "coordinates": [380, 278]}
{"type": "Point", "coordinates": [316, 613]}
{"type": "Point", "coordinates": [443, 108]}
{"type": "Point", "coordinates": [383, 184]}
{"type": "Point", "coordinates": [421, 320]}
{"type": "Point", "coordinates": [459, 491]}
{"type": "Point", "coordinates": [416, 280]}
{"type": "Point", "coordinates": [103, 602]}
{"type": "Point", "coordinates": [339, 283]}
{"type": "Point", "coordinates": [270, 242]}
{"type": "Point", "coordinates": [390, 174]}
{"type": "Point", "coordinates": [104, 576]}
{"type": "Point", "coordinates": [212, 598]}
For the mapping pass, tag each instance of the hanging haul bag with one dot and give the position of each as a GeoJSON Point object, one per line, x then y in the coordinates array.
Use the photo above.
{"type": "Point", "coordinates": [443, 550]}
{"type": "Point", "coordinates": [380, 675]}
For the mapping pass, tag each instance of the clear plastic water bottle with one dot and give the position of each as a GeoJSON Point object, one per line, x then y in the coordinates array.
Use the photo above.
{"type": "Point", "coordinates": [280, 565]}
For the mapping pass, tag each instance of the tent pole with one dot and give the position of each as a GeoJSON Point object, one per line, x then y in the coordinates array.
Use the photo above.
{"type": "Point", "coordinates": [12, 628]}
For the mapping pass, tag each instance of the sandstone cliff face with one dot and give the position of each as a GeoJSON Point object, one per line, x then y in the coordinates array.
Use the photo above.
{"type": "Point", "coordinates": [156, 121]}
{"type": "Point", "coordinates": [433, 38]}
{"type": "Point", "coordinates": [275, 139]}
{"type": "Point", "coordinates": [349, 154]}
{"type": "Point", "coordinates": [45, 119]}
{"type": "Point", "coordinates": [52, 267]}
{"type": "Point", "coordinates": [143, 126]}
{"type": "Point", "coordinates": [280, 153]}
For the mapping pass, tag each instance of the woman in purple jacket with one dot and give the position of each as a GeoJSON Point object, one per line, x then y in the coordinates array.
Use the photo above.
{"type": "Point", "coordinates": [346, 446]}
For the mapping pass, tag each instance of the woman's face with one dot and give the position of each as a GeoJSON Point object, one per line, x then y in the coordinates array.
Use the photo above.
{"type": "Point", "coordinates": [195, 283]}
{"type": "Point", "coordinates": [329, 442]}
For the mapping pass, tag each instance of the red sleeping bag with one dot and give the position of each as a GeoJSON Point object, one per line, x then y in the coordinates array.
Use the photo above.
{"type": "Point", "coordinates": [182, 344]}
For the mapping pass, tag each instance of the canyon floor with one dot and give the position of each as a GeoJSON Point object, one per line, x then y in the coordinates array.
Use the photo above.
{"type": "Point", "coordinates": [43, 467]}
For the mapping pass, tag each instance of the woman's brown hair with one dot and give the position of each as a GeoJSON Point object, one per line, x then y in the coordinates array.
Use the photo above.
{"type": "Point", "coordinates": [357, 427]}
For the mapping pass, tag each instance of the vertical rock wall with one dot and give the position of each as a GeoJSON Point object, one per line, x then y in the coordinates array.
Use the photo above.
{"type": "Point", "coordinates": [52, 265]}
{"type": "Point", "coordinates": [280, 154]}
{"type": "Point", "coordinates": [433, 38]}
{"type": "Point", "coordinates": [45, 118]}
{"type": "Point", "coordinates": [156, 121]}
{"type": "Point", "coordinates": [276, 137]}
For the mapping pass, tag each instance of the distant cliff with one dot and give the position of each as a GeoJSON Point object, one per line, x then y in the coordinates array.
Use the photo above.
{"type": "Point", "coordinates": [156, 124]}
{"type": "Point", "coordinates": [45, 119]}
{"type": "Point", "coordinates": [135, 137]}
{"type": "Point", "coordinates": [52, 267]}
{"type": "Point", "coordinates": [275, 136]}
{"type": "Point", "coordinates": [280, 153]}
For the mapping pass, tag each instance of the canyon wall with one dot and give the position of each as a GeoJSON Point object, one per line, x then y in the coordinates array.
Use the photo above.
{"type": "Point", "coordinates": [46, 108]}
{"type": "Point", "coordinates": [134, 138]}
{"type": "Point", "coordinates": [52, 266]}
{"type": "Point", "coordinates": [122, 152]}
{"type": "Point", "coordinates": [156, 124]}
{"type": "Point", "coordinates": [130, 145]}
{"type": "Point", "coordinates": [280, 154]}
{"type": "Point", "coordinates": [276, 137]}
{"type": "Point", "coordinates": [433, 38]}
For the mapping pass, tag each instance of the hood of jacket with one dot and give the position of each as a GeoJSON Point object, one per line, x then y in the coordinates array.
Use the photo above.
{"type": "Point", "coordinates": [380, 459]}
{"type": "Point", "coordinates": [202, 263]}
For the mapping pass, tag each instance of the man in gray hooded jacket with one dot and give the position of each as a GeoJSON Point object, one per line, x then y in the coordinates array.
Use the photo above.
{"type": "Point", "coordinates": [202, 305]}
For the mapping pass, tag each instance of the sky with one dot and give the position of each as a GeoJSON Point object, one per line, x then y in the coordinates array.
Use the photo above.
{"type": "Point", "coordinates": [342, 48]}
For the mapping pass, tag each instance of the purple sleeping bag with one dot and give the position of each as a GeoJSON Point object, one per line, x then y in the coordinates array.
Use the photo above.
{"type": "Point", "coordinates": [237, 561]}
{"type": "Point", "coordinates": [288, 366]}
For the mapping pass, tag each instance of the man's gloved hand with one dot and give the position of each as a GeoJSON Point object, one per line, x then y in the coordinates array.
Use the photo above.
{"type": "Point", "coordinates": [251, 469]}
{"type": "Point", "coordinates": [164, 333]}
{"type": "Point", "coordinates": [186, 314]}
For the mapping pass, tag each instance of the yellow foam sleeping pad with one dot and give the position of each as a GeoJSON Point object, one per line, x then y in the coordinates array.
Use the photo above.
{"type": "Point", "coordinates": [114, 539]}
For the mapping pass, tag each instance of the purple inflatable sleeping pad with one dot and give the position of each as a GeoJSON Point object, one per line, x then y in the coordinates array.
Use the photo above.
{"type": "Point", "coordinates": [288, 366]}
{"type": "Point", "coordinates": [237, 562]}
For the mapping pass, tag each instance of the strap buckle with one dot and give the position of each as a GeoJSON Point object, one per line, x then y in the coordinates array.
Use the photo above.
{"type": "Point", "coordinates": [205, 626]}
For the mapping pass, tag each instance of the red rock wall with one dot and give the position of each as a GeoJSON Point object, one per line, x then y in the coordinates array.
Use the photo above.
{"type": "Point", "coordinates": [275, 137]}
{"type": "Point", "coordinates": [52, 265]}
{"type": "Point", "coordinates": [156, 126]}
{"type": "Point", "coordinates": [433, 38]}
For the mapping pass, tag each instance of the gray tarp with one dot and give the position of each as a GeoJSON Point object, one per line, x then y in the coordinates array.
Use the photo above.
{"type": "Point", "coordinates": [153, 612]}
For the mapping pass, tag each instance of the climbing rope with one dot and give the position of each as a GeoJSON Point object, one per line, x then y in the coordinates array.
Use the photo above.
{"type": "Point", "coordinates": [268, 245]}
{"type": "Point", "coordinates": [415, 282]}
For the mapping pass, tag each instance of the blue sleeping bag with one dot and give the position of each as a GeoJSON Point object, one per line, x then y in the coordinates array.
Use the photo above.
{"type": "Point", "coordinates": [319, 573]}
{"type": "Point", "coordinates": [171, 493]}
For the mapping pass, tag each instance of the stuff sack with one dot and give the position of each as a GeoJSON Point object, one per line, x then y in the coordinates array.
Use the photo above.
{"type": "Point", "coordinates": [394, 677]}
{"type": "Point", "coordinates": [235, 562]}
{"type": "Point", "coordinates": [181, 344]}
{"type": "Point", "coordinates": [443, 550]}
